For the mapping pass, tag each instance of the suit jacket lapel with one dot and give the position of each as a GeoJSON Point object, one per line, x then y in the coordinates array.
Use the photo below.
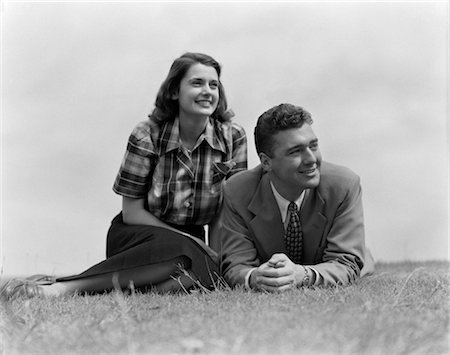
{"type": "Point", "coordinates": [267, 225]}
{"type": "Point", "coordinates": [313, 224]}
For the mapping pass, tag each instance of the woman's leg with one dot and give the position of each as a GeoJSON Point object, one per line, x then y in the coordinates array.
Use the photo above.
{"type": "Point", "coordinates": [142, 276]}
{"type": "Point", "coordinates": [129, 247]}
{"type": "Point", "coordinates": [145, 255]}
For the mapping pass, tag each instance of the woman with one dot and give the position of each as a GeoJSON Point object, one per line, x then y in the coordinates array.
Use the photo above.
{"type": "Point", "coordinates": [170, 182]}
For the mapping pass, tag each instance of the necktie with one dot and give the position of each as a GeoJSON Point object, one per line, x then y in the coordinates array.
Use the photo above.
{"type": "Point", "coordinates": [293, 235]}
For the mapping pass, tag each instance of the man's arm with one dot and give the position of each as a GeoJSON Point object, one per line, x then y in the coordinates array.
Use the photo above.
{"type": "Point", "coordinates": [344, 253]}
{"type": "Point", "coordinates": [234, 243]}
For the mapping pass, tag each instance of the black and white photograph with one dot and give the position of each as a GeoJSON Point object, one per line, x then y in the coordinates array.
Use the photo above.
{"type": "Point", "coordinates": [210, 177]}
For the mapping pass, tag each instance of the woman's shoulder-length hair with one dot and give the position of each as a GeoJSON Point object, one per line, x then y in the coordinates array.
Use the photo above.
{"type": "Point", "coordinates": [166, 108]}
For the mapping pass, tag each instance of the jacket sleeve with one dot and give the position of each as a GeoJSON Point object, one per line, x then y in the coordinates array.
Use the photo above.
{"type": "Point", "coordinates": [344, 252]}
{"type": "Point", "coordinates": [234, 244]}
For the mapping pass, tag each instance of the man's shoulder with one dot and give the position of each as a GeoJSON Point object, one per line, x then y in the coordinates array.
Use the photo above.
{"type": "Point", "coordinates": [335, 171]}
{"type": "Point", "coordinates": [244, 182]}
{"type": "Point", "coordinates": [335, 177]}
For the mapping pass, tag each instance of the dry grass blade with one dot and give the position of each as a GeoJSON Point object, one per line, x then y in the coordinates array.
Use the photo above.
{"type": "Point", "coordinates": [397, 299]}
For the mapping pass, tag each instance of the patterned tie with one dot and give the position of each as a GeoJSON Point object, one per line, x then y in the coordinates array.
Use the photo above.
{"type": "Point", "coordinates": [293, 235]}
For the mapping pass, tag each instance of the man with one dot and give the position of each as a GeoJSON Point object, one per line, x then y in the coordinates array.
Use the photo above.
{"type": "Point", "coordinates": [294, 220]}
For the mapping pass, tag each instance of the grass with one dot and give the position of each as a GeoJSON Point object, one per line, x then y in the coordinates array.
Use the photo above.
{"type": "Point", "coordinates": [402, 309]}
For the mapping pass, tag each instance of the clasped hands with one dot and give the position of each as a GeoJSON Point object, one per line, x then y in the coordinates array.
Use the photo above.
{"type": "Point", "coordinates": [277, 274]}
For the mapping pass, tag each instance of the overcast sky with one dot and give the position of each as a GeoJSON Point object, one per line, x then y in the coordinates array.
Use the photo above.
{"type": "Point", "coordinates": [77, 77]}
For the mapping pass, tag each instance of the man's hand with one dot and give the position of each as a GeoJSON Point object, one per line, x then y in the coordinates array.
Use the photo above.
{"type": "Point", "coordinates": [277, 274]}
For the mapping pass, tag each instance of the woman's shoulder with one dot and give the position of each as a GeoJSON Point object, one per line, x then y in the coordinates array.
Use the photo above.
{"type": "Point", "coordinates": [238, 129]}
{"type": "Point", "coordinates": [230, 128]}
{"type": "Point", "coordinates": [145, 129]}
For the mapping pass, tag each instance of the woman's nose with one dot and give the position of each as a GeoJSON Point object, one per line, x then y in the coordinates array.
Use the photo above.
{"type": "Point", "coordinates": [206, 89]}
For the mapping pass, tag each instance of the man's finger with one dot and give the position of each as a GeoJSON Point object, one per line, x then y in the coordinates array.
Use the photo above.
{"type": "Point", "coordinates": [269, 272]}
{"type": "Point", "coordinates": [276, 272]}
{"type": "Point", "coordinates": [277, 258]}
{"type": "Point", "coordinates": [274, 281]}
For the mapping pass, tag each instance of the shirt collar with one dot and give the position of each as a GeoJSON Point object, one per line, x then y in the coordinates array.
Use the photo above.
{"type": "Point", "coordinates": [210, 135]}
{"type": "Point", "coordinates": [170, 136]}
{"type": "Point", "coordinates": [283, 203]}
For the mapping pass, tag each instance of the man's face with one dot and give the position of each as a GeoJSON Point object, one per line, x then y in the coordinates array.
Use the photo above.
{"type": "Point", "coordinates": [295, 162]}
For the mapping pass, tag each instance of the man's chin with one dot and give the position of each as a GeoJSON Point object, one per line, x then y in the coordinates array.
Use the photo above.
{"type": "Point", "coordinates": [314, 182]}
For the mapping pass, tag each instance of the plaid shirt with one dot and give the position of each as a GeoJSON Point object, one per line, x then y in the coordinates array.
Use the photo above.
{"type": "Point", "coordinates": [181, 187]}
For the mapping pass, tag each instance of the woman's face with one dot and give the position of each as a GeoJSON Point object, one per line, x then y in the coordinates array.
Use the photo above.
{"type": "Point", "coordinates": [198, 94]}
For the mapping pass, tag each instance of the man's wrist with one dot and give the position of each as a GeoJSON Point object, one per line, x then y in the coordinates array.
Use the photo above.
{"type": "Point", "coordinates": [248, 275]}
{"type": "Point", "coordinates": [304, 277]}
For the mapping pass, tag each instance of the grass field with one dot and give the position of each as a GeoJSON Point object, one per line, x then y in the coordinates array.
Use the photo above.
{"type": "Point", "coordinates": [402, 309]}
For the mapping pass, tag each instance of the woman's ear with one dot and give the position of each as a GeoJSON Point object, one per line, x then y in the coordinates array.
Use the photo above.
{"type": "Point", "coordinates": [266, 161]}
{"type": "Point", "coordinates": [174, 96]}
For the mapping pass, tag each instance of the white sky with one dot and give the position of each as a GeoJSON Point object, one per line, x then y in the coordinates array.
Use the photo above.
{"type": "Point", "coordinates": [77, 77]}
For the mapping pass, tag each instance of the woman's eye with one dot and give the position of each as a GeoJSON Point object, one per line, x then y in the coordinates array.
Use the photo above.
{"type": "Point", "coordinates": [213, 85]}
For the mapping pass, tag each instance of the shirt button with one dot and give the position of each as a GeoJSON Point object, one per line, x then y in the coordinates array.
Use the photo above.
{"type": "Point", "coordinates": [187, 204]}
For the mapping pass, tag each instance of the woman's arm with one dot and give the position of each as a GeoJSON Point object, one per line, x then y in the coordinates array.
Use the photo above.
{"type": "Point", "coordinates": [134, 213]}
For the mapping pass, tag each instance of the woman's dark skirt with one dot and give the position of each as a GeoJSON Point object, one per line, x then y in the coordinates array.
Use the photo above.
{"type": "Point", "coordinates": [130, 246]}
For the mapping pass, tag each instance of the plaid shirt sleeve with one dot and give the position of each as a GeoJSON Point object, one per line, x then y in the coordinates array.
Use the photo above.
{"type": "Point", "coordinates": [239, 154]}
{"type": "Point", "coordinates": [134, 177]}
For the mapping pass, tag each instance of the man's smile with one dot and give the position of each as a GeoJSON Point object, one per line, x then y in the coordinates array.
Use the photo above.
{"type": "Point", "coordinates": [308, 172]}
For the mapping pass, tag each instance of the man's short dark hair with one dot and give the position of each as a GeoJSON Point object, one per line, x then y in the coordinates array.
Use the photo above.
{"type": "Point", "coordinates": [276, 119]}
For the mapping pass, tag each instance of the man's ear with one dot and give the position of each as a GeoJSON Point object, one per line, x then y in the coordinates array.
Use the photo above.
{"type": "Point", "coordinates": [266, 162]}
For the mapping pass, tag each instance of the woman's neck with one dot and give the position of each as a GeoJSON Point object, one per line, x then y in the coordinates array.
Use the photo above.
{"type": "Point", "coordinates": [191, 129]}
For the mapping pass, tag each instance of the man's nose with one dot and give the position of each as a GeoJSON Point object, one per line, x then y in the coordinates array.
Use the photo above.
{"type": "Point", "coordinates": [309, 156]}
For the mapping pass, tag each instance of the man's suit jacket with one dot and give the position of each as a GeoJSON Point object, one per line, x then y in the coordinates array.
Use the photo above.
{"type": "Point", "coordinates": [251, 229]}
